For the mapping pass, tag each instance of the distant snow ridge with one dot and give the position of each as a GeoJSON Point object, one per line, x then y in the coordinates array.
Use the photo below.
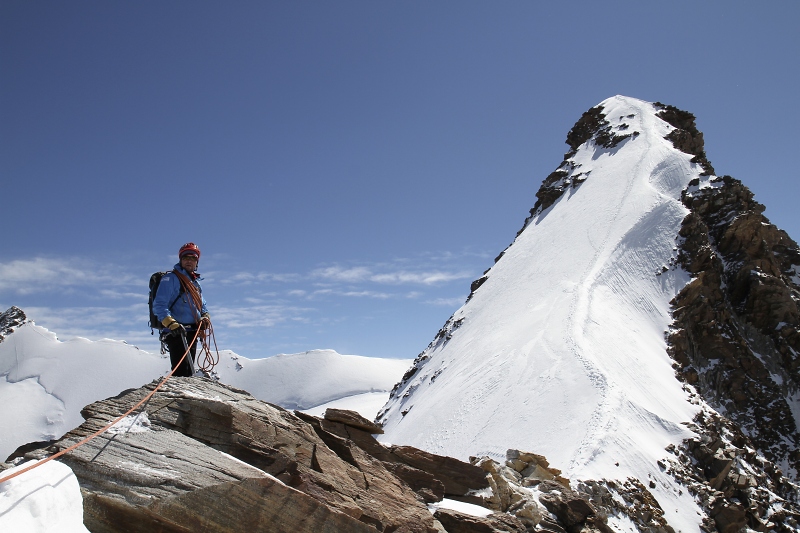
{"type": "Point", "coordinates": [561, 347]}
{"type": "Point", "coordinates": [309, 379]}
{"type": "Point", "coordinates": [49, 381]}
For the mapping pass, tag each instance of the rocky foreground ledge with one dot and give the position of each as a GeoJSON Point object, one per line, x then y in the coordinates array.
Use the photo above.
{"type": "Point", "coordinates": [203, 456]}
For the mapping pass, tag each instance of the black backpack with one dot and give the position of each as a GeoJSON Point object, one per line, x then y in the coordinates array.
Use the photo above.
{"type": "Point", "coordinates": [155, 280]}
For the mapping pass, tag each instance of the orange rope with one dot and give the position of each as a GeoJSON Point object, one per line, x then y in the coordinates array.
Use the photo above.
{"type": "Point", "coordinates": [107, 427]}
{"type": "Point", "coordinates": [209, 360]}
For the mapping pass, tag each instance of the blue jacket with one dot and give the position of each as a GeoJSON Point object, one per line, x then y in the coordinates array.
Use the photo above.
{"type": "Point", "coordinates": [169, 290]}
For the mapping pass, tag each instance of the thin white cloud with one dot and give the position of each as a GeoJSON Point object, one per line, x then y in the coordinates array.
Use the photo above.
{"type": "Point", "coordinates": [250, 278]}
{"type": "Point", "coordinates": [447, 302]}
{"type": "Point", "coordinates": [382, 275]}
{"type": "Point", "coordinates": [42, 274]}
{"type": "Point", "coordinates": [421, 278]}
{"type": "Point", "coordinates": [347, 275]}
{"type": "Point", "coordinates": [367, 294]}
{"type": "Point", "coordinates": [259, 316]}
{"type": "Point", "coordinates": [117, 295]}
{"type": "Point", "coordinates": [347, 293]}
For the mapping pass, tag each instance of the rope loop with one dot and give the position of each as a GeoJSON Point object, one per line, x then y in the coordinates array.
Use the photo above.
{"type": "Point", "coordinates": [209, 360]}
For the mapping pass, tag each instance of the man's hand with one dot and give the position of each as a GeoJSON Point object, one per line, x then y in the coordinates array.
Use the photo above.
{"type": "Point", "coordinates": [173, 325]}
{"type": "Point", "coordinates": [205, 321]}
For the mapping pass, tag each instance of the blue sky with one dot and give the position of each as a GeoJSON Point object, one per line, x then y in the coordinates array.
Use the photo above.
{"type": "Point", "coordinates": [347, 168]}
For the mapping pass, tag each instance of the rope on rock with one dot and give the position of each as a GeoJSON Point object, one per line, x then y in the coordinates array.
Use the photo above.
{"type": "Point", "coordinates": [108, 426]}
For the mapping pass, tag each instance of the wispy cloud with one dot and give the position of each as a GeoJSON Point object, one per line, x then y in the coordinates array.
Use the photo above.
{"type": "Point", "coordinates": [447, 302]}
{"type": "Point", "coordinates": [42, 274]}
{"type": "Point", "coordinates": [117, 295]}
{"type": "Point", "coordinates": [385, 276]}
{"type": "Point", "coordinates": [366, 294]}
{"type": "Point", "coordinates": [427, 269]}
{"type": "Point", "coordinates": [252, 278]}
{"type": "Point", "coordinates": [420, 278]}
{"type": "Point", "coordinates": [260, 316]}
{"type": "Point", "coordinates": [347, 275]}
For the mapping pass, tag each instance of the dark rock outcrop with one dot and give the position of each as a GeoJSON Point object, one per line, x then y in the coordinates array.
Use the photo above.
{"type": "Point", "coordinates": [685, 137]}
{"type": "Point", "coordinates": [735, 339]}
{"type": "Point", "coordinates": [11, 319]}
{"type": "Point", "coordinates": [733, 483]}
{"type": "Point", "coordinates": [736, 330]}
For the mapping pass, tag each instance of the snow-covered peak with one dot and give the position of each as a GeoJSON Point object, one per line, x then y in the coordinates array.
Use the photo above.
{"type": "Point", "coordinates": [561, 348]}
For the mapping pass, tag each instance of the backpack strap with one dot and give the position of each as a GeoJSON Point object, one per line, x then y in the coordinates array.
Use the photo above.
{"type": "Point", "coordinates": [180, 291]}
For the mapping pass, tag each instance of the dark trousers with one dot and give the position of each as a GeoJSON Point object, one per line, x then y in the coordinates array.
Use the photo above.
{"type": "Point", "coordinates": [176, 349]}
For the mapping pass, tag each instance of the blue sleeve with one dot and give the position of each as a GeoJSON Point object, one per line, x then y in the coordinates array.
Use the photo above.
{"type": "Point", "coordinates": [168, 291]}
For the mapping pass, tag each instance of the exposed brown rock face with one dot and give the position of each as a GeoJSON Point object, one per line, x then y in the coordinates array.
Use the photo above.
{"type": "Point", "coordinates": [353, 419]}
{"type": "Point", "coordinates": [736, 339]}
{"type": "Point", "coordinates": [736, 334]}
{"type": "Point", "coordinates": [455, 522]}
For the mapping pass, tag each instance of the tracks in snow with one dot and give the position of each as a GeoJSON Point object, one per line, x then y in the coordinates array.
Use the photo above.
{"type": "Point", "coordinates": [579, 319]}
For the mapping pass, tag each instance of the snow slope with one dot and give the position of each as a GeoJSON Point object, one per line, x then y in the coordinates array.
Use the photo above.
{"type": "Point", "coordinates": [44, 382]}
{"type": "Point", "coordinates": [561, 351]}
{"type": "Point", "coordinates": [45, 500]}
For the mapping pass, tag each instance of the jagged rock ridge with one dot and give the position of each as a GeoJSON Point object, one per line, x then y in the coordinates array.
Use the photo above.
{"type": "Point", "coordinates": [736, 335]}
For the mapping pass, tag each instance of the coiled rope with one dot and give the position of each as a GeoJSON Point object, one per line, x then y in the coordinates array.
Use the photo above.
{"type": "Point", "coordinates": [209, 360]}
{"type": "Point", "coordinates": [108, 426]}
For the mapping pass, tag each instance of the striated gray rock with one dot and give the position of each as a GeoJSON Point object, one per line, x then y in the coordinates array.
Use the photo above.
{"type": "Point", "coordinates": [430, 476]}
{"type": "Point", "coordinates": [207, 457]}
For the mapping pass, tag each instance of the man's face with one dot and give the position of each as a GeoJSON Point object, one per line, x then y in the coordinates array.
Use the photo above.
{"type": "Point", "coordinates": [189, 262]}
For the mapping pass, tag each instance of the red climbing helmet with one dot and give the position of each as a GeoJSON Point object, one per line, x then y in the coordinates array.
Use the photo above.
{"type": "Point", "coordinates": [189, 248]}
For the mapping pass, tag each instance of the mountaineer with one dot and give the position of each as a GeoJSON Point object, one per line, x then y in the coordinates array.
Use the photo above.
{"type": "Point", "coordinates": [180, 308]}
